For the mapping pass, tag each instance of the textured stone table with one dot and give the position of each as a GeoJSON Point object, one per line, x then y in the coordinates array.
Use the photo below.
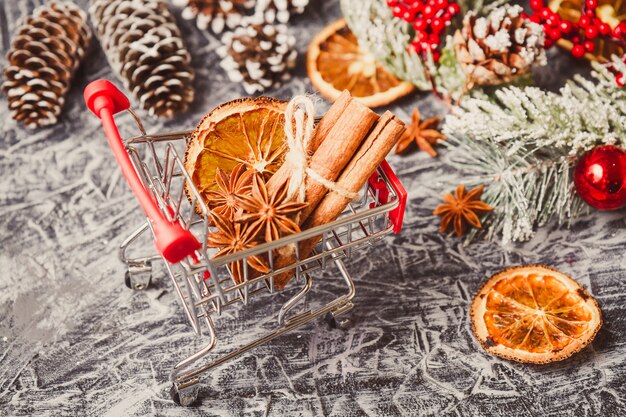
{"type": "Point", "coordinates": [74, 341]}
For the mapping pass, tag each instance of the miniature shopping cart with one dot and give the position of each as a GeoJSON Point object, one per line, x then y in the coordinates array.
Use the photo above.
{"type": "Point", "coordinates": [206, 288]}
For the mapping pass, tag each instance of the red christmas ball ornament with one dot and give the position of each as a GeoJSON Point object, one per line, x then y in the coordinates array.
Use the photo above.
{"type": "Point", "coordinates": [600, 177]}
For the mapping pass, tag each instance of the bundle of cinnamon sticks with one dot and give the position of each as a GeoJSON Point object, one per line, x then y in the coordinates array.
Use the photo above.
{"type": "Point", "coordinates": [347, 146]}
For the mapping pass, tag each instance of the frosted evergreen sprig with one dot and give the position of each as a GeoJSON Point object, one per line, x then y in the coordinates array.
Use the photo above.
{"type": "Point", "coordinates": [523, 143]}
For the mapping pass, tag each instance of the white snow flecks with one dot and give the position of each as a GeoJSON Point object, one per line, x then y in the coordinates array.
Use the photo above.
{"type": "Point", "coordinates": [74, 341]}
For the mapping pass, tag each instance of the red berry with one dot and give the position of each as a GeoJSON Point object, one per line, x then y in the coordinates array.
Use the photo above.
{"type": "Point", "coordinates": [619, 79]}
{"type": "Point", "coordinates": [415, 8]}
{"type": "Point", "coordinates": [419, 24]}
{"type": "Point", "coordinates": [584, 21]}
{"type": "Point", "coordinates": [454, 9]}
{"type": "Point", "coordinates": [590, 13]}
{"type": "Point", "coordinates": [392, 3]}
{"type": "Point", "coordinates": [565, 26]}
{"type": "Point", "coordinates": [604, 28]}
{"type": "Point", "coordinates": [434, 39]}
{"type": "Point", "coordinates": [438, 24]}
{"type": "Point", "coordinates": [591, 32]}
{"type": "Point", "coordinates": [619, 31]}
{"type": "Point", "coordinates": [591, 4]}
{"type": "Point", "coordinates": [429, 11]}
{"type": "Point", "coordinates": [545, 13]}
{"type": "Point", "coordinates": [447, 17]}
{"type": "Point", "coordinates": [433, 4]}
{"type": "Point", "coordinates": [398, 11]}
{"type": "Point", "coordinates": [436, 56]}
{"type": "Point", "coordinates": [535, 18]}
{"type": "Point", "coordinates": [536, 5]}
{"type": "Point", "coordinates": [589, 46]}
{"type": "Point", "coordinates": [554, 34]}
{"type": "Point", "coordinates": [576, 39]}
{"type": "Point", "coordinates": [578, 51]}
{"type": "Point", "coordinates": [553, 20]}
{"type": "Point", "coordinates": [441, 4]}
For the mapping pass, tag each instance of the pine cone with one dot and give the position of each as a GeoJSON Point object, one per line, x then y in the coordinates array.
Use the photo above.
{"type": "Point", "coordinates": [279, 10]}
{"type": "Point", "coordinates": [146, 50]}
{"type": "Point", "coordinates": [499, 47]}
{"type": "Point", "coordinates": [259, 55]}
{"type": "Point", "coordinates": [216, 13]}
{"type": "Point", "coordinates": [45, 52]}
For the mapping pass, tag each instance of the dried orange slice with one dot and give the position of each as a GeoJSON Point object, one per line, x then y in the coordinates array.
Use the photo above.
{"type": "Point", "coordinates": [534, 314]}
{"type": "Point", "coordinates": [336, 63]}
{"type": "Point", "coordinates": [247, 130]}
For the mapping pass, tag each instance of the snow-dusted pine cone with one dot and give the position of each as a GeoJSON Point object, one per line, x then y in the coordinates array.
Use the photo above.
{"type": "Point", "coordinates": [279, 11]}
{"type": "Point", "coordinates": [215, 14]}
{"type": "Point", "coordinates": [45, 51]}
{"type": "Point", "coordinates": [146, 50]}
{"type": "Point", "coordinates": [499, 47]}
{"type": "Point", "coordinates": [259, 55]}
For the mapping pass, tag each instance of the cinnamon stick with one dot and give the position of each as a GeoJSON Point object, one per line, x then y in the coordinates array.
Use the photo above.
{"type": "Point", "coordinates": [329, 120]}
{"type": "Point", "coordinates": [319, 134]}
{"type": "Point", "coordinates": [372, 152]}
{"type": "Point", "coordinates": [336, 150]}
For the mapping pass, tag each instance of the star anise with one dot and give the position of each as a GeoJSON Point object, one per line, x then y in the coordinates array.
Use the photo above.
{"type": "Point", "coordinates": [424, 134]}
{"type": "Point", "coordinates": [461, 210]}
{"type": "Point", "coordinates": [269, 215]}
{"type": "Point", "coordinates": [224, 200]}
{"type": "Point", "coordinates": [233, 237]}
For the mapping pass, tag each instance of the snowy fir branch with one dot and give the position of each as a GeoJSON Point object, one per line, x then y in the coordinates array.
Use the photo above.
{"type": "Point", "coordinates": [523, 144]}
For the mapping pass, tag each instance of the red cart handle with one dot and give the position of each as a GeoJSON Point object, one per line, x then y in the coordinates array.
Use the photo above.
{"type": "Point", "coordinates": [171, 239]}
{"type": "Point", "coordinates": [396, 215]}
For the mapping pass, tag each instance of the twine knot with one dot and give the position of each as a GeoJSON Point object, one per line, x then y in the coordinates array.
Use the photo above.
{"type": "Point", "coordinates": [299, 121]}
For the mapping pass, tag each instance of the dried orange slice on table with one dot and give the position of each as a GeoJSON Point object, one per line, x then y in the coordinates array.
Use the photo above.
{"type": "Point", "coordinates": [248, 131]}
{"type": "Point", "coordinates": [534, 314]}
{"type": "Point", "coordinates": [335, 62]}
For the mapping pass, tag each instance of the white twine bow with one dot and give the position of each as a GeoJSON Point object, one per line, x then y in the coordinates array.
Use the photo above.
{"type": "Point", "coordinates": [299, 118]}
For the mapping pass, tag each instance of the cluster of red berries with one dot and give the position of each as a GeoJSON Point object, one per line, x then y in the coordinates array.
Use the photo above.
{"type": "Point", "coordinates": [429, 18]}
{"type": "Point", "coordinates": [582, 34]}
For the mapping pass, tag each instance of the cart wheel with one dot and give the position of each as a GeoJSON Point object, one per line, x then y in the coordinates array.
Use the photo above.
{"type": "Point", "coordinates": [174, 394]}
{"type": "Point", "coordinates": [341, 323]}
{"type": "Point", "coordinates": [138, 276]}
{"type": "Point", "coordinates": [189, 397]}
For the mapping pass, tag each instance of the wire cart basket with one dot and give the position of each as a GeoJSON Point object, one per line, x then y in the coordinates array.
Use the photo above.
{"type": "Point", "coordinates": [155, 172]}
